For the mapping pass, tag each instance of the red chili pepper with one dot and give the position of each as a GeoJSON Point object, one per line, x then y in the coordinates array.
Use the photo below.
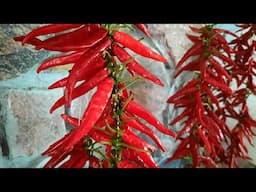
{"type": "Point", "coordinates": [194, 152]}
{"type": "Point", "coordinates": [178, 155]}
{"type": "Point", "coordinates": [143, 28]}
{"type": "Point", "coordinates": [56, 159]}
{"type": "Point", "coordinates": [59, 155]}
{"type": "Point", "coordinates": [94, 110]}
{"type": "Point", "coordinates": [184, 113]}
{"type": "Point", "coordinates": [249, 139]}
{"type": "Point", "coordinates": [105, 119]}
{"type": "Point", "coordinates": [71, 120]}
{"type": "Point", "coordinates": [78, 157]}
{"type": "Point", "coordinates": [140, 111]}
{"type": "Point", "coordinates": [185, 142]}
{"type": "Point", "coordinates": [214, 129]}
{"type": "Point", "coordinates": [219, 85]}
{"type": "Point", "coordinates": [127, 164]}
{"type": "Point", "coordinates": [203, 67]}
{"type": "Point", "coordinates": [132, 139]}
{"type": "Point", "coordinates": [225, 58]}
{"type": "Point", "coordinates": [136, 124]}
{"type": "Point", "coordinates": [204, 139]}
{"type": "Point", "coordinates": [87, 60]}
{"type": "Point", "coordinates": [183, 92]}
{"type": "Point", "coordinates": [83, 88]}
{"type": "Point", "coordinates": [142, 158]}
{"type": "Point", "coordinates": [133, 66]}
{"type": "Point", "coordinates": [51, 149]}
{"type": "Point", "coordinates": [181, 151]}
{"type": "Point", "coordinates": [219, 68]}
{"type": "Point", "coordinates": [48, 29]}
{"type": "Point", "coordinates": [60, 83]}
{"type": "Point", "coordinates": [200, 109]}
{"type": "Point", "coordinates": [187, 102]}
{"type": "Point", "coordinates": [94, 162]}
{"type": "Point", "coordinates": [99, 136]}
{"type": "Point", "coordinates": [33, 41]}
{"type": "Point", "coordinates": [210, 94]}
{"type": "Point", "coordinates": [196, 29]}
{"type": "Point", "coordinates": [241, 141]}
{"type": "Point", "coordinates": [222, 125]}
{"type": "Point", "coordinates": [191, 66]}
{"type": "Point", "coordinates": [75, 162]}
{"type": "Point", "coordinates": [105, 164]}
{"type": "Point", "coordinates": [207, 161]}
{"type": "Point", "coordinates": [125, 93]}
{"type": "Point", "coordinates": [133, 44]}
{"type": "Point", "coordinates": [194, 39]}
{"type": "Point", "coordinates": [91, 115]}
{"type": "Point", "coordinates": [189, 123]}
{"type": "Point", "coordinates": [231, 111]}
{"type": "Point", "coordinates": [190, 87]}
{"type": "Point", "coordinates": [85, 75]}
{"type": "Point", "coordinates": [224, 31]}
{"type": "Point", "coordinates": [60, 60]}
{"type": "Point", "coordinates": [81, 38]}
{"type": "Point", "coordinates": [195, 50]}
{"type": "Point", "coordinates": [233, 163]}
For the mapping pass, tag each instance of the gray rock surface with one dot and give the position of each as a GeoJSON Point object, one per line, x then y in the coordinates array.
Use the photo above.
{"type": "Point", "coordinates": [29, 126]}
{"type": "Point", "coordinates": [15, 59]}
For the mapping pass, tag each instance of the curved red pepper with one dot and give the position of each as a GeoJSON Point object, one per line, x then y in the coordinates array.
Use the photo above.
{"type": "Point", "coordinates": [133, 66]}
{"type": "Point", "coordinates": [48, 29]}
{"type": "Point", "coordinates": [127, 164]}
{"type": "Point", "coordinates": [132, 139]}
{"type": "Point", "coordinates": [219, 68]}
{"type": "Point", "coordinates": [84, 37]}
{"type": "Point", "coordinates": [142, 158]}
{"type": "Point", "coordinates": [191, 66]}
{"type": "Point", "coordinates": [190, 87]}
{"type": "Point", "coordinates": [82, 67]}
{"type": "Point", "coordinates": [143, 28]}
{"type": "Point", "coordinates": [140, 111]}
{"type": "Point", "coordinates": [93, 112]}
{"type": "Point", "coordinates": [60, 83]}
{"type": "Point", "coordinates": [143, 128]}
{"type": "Point", "coordinates": [133, 44]}
{"type": "Point", "coordinates": [83, 88]}
{"type": "Point", "coordinates": [204, 139]}
{"type": "Point", "coordinates": [207, 161]}
{"type": "Point", "coordinates": [195, 50]}
{"type": "Point", "coordinates": [219, 85]}
{"type": "Point", "coordinates": [33, 41]}
{"type": "Point", "coordinates": [60, 60]}
{"type": "Point", "coordinates": [94, 162]}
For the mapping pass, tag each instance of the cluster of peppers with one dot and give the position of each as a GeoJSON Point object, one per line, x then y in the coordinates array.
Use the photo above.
{"type": "Point", "coordinates": [105, 136]}
{"type": "Point", "coordinates": [205, 138]}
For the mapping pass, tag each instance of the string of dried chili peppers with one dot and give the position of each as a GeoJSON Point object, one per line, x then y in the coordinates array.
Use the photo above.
{"type": "Point", "coordinates": [203, 132]}
{"type": "Point", "coordinates": [104, 136]}
{"type": "Point", "coordinates": [208, 101]}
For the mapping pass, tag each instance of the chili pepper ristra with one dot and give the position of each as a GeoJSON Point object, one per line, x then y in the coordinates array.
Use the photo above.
{"type": "Point", "coordinates": [104, 136]}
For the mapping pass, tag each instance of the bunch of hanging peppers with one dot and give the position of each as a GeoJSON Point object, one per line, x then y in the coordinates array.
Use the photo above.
{"type": "Point", "coordinates": [105, 135]}
{"type": "Point", "coordinates": [209, 101]}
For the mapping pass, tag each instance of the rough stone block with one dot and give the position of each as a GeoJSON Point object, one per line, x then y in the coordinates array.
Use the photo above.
{"type": "Point", "coordinates": [29, 127]}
